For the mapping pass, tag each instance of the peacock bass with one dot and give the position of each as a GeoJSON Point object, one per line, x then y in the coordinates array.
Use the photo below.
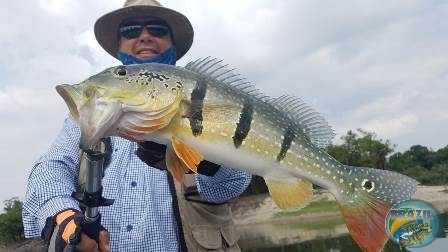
{"type": "Point", "coordinates": [204, 111]}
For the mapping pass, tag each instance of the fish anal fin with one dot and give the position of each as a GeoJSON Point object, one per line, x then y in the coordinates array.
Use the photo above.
{"type": "Point", "coordinates": [175, 165]}
{"type": "Point", "coordinates": [189, 156]}
{"type": "Point", "coordinates": [366, 224]}
{"type": "Point", "coordinates": [295, 194]}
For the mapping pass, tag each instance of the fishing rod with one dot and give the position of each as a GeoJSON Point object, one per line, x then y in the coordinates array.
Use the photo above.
{"type": "Point", "coordinates": [90, 198]}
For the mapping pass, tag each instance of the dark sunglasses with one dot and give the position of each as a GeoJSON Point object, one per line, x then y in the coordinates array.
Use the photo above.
{"type": "Point", "coordinates": [132, 31]}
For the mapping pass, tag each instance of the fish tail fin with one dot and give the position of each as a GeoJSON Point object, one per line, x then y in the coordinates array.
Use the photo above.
{"type": "Point", "coordinates": [366, 201]}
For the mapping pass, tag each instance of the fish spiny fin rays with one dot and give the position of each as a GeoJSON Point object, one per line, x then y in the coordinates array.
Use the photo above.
{"type": "Point", "coordinates": [299, 116]}
{"type": "Point", "coordinates": [189, 156]}
{"type": "Point", "coordinates": [312, 123]}
{"type": "Point", "coordinates": [176, 166]}
{"type": "Point", "coordinates": [286, 195]}
{"type": "Point", "coordinates": [215, 70]}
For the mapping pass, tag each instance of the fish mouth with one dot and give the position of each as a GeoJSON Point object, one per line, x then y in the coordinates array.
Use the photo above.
{"type": "Point", "coordinates": [95, 115]}
{"type": "Point", "coordinates": [72, 96]}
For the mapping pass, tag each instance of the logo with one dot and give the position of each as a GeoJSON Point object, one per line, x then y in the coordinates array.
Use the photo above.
{"type": "Point", "coordinates": [413, 223]}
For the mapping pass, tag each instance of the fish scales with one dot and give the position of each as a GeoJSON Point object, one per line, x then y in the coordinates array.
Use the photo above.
{"type": "Point", "coordinates": [270, 140]}
{"type": "Point", "coordinates": [206, 112]}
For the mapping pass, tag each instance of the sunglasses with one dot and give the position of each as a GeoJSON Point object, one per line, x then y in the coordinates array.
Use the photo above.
{"type": "Point", "coordinates": [132, 31]}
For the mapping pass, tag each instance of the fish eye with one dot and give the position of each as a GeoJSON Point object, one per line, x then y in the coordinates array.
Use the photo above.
{"type": "Point", "coordinates": [121, 71]}
{"type": "Point", "coordinates": [368, 185]}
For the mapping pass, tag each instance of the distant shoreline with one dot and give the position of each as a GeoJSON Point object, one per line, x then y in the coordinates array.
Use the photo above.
{"type": "Point", "coordinates": [261, 209]}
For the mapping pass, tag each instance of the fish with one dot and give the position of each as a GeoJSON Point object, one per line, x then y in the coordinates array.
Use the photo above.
{"type": "Point", "coordinates": [206, 111]}
{"type": "Point", "coordinates": [418, 236]}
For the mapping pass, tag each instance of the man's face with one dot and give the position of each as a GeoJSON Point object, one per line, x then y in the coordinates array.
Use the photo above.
{"type": "Point", "coordinates": [149, 43]}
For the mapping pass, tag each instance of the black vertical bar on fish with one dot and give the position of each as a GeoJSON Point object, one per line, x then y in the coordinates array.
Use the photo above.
{"type": "Point", "coordinates": [243, 125]}
{"type": "Point", "coordinates": [288, 137]}
{"type": "Point", "coordinates": [197, 101]}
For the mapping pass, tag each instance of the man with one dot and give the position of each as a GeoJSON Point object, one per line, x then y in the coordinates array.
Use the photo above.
{"type": "Point", "coordinates": [145, 214]}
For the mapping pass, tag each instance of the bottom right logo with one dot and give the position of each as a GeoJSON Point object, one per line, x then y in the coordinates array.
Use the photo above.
{"type": "Point", "coordinates": [413, 223]}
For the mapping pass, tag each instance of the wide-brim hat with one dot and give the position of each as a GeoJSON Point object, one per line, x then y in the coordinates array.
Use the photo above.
{"type": "Point", "coordinates": [106, 27]}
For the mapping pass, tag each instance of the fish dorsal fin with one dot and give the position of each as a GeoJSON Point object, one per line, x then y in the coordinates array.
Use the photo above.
{"type": "Point", "coordinates": [214, 69]}
{"type": "Point", "coordinates": [299, 116]}
{"type": "Point", "coordinates": [313, 124]}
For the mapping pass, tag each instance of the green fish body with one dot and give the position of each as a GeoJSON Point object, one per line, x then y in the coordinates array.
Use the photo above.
{"type": "Point", "coordinates": [204, 111]}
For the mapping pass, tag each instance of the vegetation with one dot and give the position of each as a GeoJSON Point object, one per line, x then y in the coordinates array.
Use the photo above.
{"type": "Point", "coordinates": [11, 227]}
{"type": "Point", "coordinates": [313, 207]}
{"type": "Point", "coordinates": [364, 149]}
{"type": "Point", "coordinates": [319, 224]}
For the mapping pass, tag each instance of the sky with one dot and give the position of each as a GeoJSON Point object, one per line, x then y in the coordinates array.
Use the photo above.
{"type": "Point", "coordinates": [373, 64]}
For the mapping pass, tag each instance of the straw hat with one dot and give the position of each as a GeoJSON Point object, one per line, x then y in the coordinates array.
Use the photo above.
{"type": "Point", "coordinates": [106, 27]}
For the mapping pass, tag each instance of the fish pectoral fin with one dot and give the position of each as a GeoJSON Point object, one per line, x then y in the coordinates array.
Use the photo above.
{"type": "Point", "coordinates": [174, 165]}
{"type": "Point", "coordinates": [189, 156]}
{"type": "Point", "coordinates": [286, 195]}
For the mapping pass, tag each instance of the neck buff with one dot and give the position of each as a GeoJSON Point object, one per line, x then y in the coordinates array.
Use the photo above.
{"type": "Point", "coordinates": [167, 57]}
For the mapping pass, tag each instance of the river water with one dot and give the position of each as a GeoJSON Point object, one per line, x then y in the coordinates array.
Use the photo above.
{"type": "Point", "coordinates": [325, 235]}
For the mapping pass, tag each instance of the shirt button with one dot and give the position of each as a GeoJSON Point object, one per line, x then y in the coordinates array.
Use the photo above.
{"type": "Point", "coordinates": [133, 184]}
{"type": "Point", "coordinates": [129, 228]}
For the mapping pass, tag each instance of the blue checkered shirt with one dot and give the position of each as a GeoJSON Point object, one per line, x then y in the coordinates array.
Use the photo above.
{"type": "Point", "coordinates": [142, 216]}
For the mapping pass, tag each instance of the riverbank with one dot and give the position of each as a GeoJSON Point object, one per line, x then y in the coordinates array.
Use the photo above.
{"type": "Point", "coordinates": [262, 224]}
{"type": "Point", "coordinates": [262, 209]}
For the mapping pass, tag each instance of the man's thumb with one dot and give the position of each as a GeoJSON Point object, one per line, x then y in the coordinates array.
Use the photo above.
{"type": "Point", "coordinates": [104, 241]}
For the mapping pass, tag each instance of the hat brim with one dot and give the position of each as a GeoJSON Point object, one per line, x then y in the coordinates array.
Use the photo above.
{"type": "Point", "coordinates": [106, 27]}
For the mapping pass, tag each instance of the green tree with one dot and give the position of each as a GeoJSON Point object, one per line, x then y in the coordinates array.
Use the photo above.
{"type": "Point", "coordinates": [362, 149]}
{"type": "Point", "coordinates": [421, 156]}
{"type": "Point", "coordinates": [441, 156]}
{"type": "Point", "coordinates": [11, 227]}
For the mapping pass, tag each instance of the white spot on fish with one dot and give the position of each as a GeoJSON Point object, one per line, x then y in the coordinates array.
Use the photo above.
{"type": "Point", "coordinates": [328, 172]}
{"type": "Point", "coordinates": [223, 134]}
{"type": "Point", "coordinates": [341, 181]}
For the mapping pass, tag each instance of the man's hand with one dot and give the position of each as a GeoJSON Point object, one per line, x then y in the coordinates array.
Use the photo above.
{"type": "Point", "coordinates": [153, 154]}
{"type": "Point", "coordinates": [65, 230]}
{"type": "Point", "coordinates": [87, 244]}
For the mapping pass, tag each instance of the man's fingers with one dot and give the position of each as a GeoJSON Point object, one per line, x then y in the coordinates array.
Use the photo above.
{"type": "Point", "coordinates": [104, 241]}
{"type": "Point", "coordinates": [86, 244]}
